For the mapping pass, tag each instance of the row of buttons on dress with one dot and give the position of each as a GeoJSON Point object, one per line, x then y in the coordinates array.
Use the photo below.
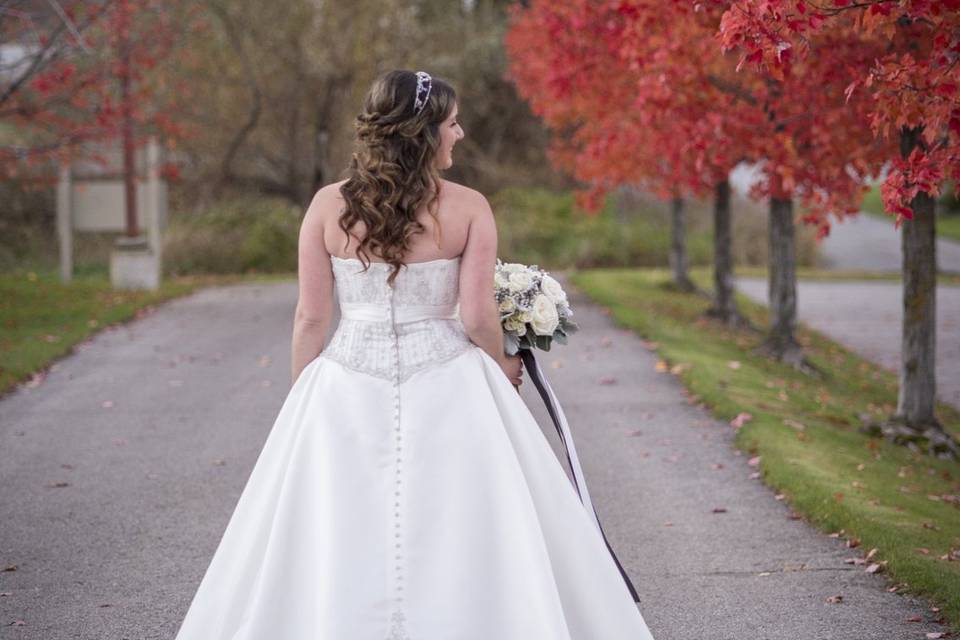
{"type": "Point", "coordinates": [397, 631]}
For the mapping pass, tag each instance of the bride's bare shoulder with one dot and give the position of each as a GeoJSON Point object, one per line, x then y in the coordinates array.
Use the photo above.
{"type": "Point", "coordinates": [465, 198]}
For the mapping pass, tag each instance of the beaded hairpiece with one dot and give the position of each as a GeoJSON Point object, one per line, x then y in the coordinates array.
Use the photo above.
{"type": "Point", "coordinates": [424, 85]}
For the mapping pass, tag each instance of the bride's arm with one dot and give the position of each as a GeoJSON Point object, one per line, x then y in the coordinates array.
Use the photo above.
{"type": "Point", "coordinates": [478, 307]}
{"type": "Point", "coordinates": [315, 279]}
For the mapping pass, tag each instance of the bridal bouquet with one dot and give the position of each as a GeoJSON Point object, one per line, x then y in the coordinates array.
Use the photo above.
{"type": "Point", "coordinates": [533, 307]}
{"type": "Point", "coordinates": [534, 312]}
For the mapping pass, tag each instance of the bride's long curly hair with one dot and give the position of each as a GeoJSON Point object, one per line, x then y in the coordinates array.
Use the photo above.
{"type": "Point", "coordinates": [391, 174]}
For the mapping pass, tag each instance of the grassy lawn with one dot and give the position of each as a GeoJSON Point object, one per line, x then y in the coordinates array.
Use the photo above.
{"type": "Point", "coordinates": [947, 226]}
{"type": "Point", "coordinates": [804, 430]}
{"type": "Point", "coordinates": [41, 319]}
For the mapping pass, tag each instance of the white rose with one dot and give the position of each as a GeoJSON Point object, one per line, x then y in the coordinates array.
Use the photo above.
{"type": "Point", "coordinates": [507, 304]}
{"type": "Point", "coordinates": [514, 267]}
{"type": "Point", "coordinates": [520, 281]}
{"type": "Point", "coordinates": [553, 290]}
{"type": "Point", "coordinates": [545, 318]}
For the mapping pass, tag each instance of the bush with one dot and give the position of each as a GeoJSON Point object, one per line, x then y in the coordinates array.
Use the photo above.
{"type": "Point", "coordinates": [237, 235]}
{"type": "Point", "coordinates": [631, 230]}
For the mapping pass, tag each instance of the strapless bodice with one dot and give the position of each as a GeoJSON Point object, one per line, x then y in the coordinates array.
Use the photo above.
{"type": "Point", "coordinates": [392, 332]}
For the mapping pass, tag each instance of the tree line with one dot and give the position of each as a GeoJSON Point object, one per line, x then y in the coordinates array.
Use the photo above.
{"type": "Point", "coordinates": [823, 97]}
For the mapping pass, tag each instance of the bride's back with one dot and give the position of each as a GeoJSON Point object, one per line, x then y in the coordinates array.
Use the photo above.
{"type": "Point", "coordinates": [452, 212]}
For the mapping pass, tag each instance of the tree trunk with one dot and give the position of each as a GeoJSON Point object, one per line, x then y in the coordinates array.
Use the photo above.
{"type": "Point", "coordinates": [915, 421]}
{"type": "Point", "coordinates": [724, 305]}
{"type": "Point", "coordinates": [916, 398]}
{"type": "Point", "coordinates": [919, 332]}
{"type": "Point", "coordinates": [781, 342]}
{"type": "Point", "coordinates": [678, 246]}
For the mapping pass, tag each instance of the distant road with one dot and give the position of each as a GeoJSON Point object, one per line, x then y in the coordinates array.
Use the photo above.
{"type": "Point", "coordinates": [863, 242]}
{"type": "Point", "coordinates": [866, 317]}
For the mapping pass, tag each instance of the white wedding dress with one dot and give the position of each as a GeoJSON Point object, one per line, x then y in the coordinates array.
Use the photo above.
{"type": "Point", "coordinates": [406, 492]}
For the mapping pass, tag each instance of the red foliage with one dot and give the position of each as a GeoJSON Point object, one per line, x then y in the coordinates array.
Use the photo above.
{"type": "Point", "coordinates": [910, 79]}
{"type": "Point", "coordinates": [69, 92]}
{"type": "Point", "coordinates": [640, 93]}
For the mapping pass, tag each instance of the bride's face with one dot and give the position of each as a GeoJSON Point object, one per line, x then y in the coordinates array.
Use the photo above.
{"type": "Point", "coordinates": [450, 134]}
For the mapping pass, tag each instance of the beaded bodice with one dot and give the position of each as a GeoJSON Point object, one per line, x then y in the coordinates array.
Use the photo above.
{"type": "Point", "coordinates": [393, 332]}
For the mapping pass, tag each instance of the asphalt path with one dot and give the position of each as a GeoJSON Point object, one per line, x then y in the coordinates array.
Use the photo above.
{"type": "Point", "coordinates": [121, 468]}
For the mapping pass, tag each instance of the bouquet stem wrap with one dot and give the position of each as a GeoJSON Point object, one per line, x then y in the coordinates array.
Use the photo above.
{"type": "Point", "coordinates": [563, 430]}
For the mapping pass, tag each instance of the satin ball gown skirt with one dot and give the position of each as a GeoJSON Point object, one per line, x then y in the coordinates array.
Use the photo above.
{"type": "Point", "coordinates": [432, 509]}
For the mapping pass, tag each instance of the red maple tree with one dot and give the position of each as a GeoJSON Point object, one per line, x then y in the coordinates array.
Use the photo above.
{"type": "Point", "coordinates": [69, 63]}
{"type": "Point", "coordinates": [639, 93]}
{"type": "Point", "coordinates": [905, 79]}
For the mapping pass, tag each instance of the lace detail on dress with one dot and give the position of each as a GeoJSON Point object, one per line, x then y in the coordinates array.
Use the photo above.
{"type": "Point", "coordinates": [368, 346]}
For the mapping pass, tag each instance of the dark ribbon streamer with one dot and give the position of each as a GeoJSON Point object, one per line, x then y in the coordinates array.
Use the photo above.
{"type": "Point", "coordinates": [559, 421]}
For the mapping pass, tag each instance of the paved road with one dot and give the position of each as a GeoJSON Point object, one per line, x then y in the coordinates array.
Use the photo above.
{"type": "Point", "coordinates": [862, 242]}
{"type": "Point", "coordinates": [151, 480]}
{"type": "Point", "coordinates": [866, 243]}
{"type": "Point", "coordinates": [866, 317]}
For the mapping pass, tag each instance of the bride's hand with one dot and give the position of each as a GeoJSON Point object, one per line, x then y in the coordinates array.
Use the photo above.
{"type": "Point", "coordinates": [513, 368]}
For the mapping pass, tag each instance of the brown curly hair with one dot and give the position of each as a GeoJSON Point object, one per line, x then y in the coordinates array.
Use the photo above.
{"type": "Point", "coordinates": [391, 174]}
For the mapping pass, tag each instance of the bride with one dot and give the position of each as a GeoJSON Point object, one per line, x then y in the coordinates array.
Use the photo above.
{"type": "Point", "coordinates": [405, 491]}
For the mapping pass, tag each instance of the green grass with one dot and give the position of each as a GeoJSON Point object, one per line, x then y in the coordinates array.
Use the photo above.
{"type": "Point", "coordinates": [948, 226]}
{"type": "Point", "coordinates": [41, 318]}
{"type": "Point", "coordinates": [838, 479]}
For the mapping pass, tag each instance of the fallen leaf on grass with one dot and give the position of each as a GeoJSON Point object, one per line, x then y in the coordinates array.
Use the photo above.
{"type": "Point", "coordinates": [922, 550]}
{"type": "Point", "coordinates": [740, 420]}
{"type": "Point", "coordinates": [733, 364]}
{"type": "Point", "coordinates": [952, 556]}
{"type": "Point", "coordinates": [790, 422]}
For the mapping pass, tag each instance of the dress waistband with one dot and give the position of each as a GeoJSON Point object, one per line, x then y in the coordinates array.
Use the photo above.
{"type": "Point", "coordinates": [375, 312]}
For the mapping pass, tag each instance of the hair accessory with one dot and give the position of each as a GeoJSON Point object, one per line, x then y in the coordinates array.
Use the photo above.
{"type": "Point", "coordinates": [424, 85]}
